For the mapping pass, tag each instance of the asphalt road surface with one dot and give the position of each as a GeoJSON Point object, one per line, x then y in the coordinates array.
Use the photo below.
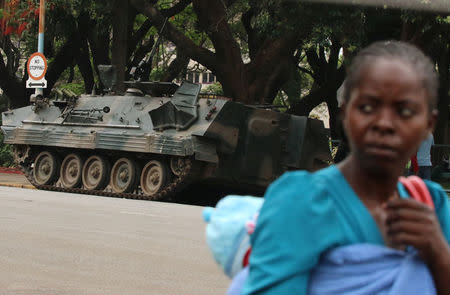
{"type": "Point", "coordinates": [59, 243]}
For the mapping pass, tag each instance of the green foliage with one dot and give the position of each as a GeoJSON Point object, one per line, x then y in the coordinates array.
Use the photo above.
{"type": "Point", "coordinates": [76, 85]}
{"type": "Point", "coordinates": [187, 22]}
{"type": "Point", "coordinates": [3, 103]}
{"type": "Point", "coordinates": [281, 100]}
{"type": "Point", "coordinates": [77, 88]}
{"type": "Point", "coordinates": [157, 74]}
{"type": "Point", "coordinates": [213, 89]}
{"type": "Point", "coordinates": [6, 158]}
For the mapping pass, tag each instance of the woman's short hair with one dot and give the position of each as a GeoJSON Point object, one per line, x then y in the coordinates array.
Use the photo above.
{"type": "Point", "coordinates": [403, 51]}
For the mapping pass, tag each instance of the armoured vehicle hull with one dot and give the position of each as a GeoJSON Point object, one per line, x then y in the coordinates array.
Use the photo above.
{"type": "Point", "coordinates": [145, 147]}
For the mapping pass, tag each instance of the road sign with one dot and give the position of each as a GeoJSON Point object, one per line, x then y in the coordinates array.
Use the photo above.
{"type": "Point", "coordinates": [36, 83]}
{"type": "Point", "coordinates": [37, 66]}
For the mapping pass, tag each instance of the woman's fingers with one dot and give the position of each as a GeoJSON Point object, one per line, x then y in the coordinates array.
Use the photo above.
{"type": "Point", "coordinates": [408, 203]}
{"type": "Point", "coordinates": [416, 215]}
{"type": "Point", "coordinates": [409, 227]}
{"type": "Point", "coordinates": [410, 222]}
{"type": "Point", "coordinates": [410, 239]}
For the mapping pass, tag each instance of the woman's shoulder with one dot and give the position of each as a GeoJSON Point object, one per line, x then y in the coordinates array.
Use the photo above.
{"type": "Point", "coordinates": [300, 186]}
{"type": "Point", "coordinates": [442, 206]}
{"type": "Point", "coordinates": [438, 194]}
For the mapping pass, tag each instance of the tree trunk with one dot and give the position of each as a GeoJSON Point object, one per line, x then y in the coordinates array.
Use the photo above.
{"type": "Point", "coordinates": [270, 69]}
{"type": "Point", "coordinates": [328, 77]}
{"type": "Point", "coordinates": [258, 81]}
{"type": "Point", "coordinates": [305, 105]}
{"type": "Point", "coordinates": [119, 44]}
{"type": "Point", "coordinates": [84, 64]}
{"type": "Point", "coordinates": [63, 59]}
{"type": "Point", "coordinates": [178, 65]}
{"type": "Point", "coordinates": [14, 89]}
{"type": "Point", "coordinates": [71, 74]}
{"type": "Point", "coordinates": [231, 73]}
{"type": "Point", "coordinates": [99, 43]}
{"type": "Point", "coordinates": [84, 58]}
{"type": "Point", "coordinates": [333, 112]}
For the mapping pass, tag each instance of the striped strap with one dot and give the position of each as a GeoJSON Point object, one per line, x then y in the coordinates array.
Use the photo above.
{"type": "Point", "coordinates": [417, 189]}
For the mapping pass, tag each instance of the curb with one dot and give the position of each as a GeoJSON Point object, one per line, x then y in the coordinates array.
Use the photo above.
{"type": "Point", "coordinates": [10, 170]}
{"type": "Point", "coordinates": [17, 185]}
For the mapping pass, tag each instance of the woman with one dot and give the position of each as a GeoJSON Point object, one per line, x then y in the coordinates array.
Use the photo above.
{"type": "Point", "coordinates": [390, 107]}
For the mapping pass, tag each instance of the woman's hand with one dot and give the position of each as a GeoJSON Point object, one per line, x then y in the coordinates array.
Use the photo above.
{"type": "Point", "coordinates": [410, 222]}
{"type": "Point", "coordinates": [413, 223]}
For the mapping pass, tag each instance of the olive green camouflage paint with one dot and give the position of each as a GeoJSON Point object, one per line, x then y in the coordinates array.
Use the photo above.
{"type": "Point", "coordinates": [242, 144]}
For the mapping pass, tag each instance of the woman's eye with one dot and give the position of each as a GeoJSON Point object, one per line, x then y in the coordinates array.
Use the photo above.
{"type": "Point", "coordinates": [406, 112]}
{"type": "Point", "coordinates": [366, 108]}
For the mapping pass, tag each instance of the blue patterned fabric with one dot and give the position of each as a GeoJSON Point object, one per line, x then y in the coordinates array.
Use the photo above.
{"type": "Point", "coordinates": [365, 269]}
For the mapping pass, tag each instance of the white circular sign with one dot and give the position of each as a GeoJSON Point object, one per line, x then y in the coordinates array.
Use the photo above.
{"type": "Point", "coordinates": [37, 66]}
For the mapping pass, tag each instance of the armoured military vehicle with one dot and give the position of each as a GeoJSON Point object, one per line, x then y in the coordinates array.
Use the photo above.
{"type": "Point", "coordinates": [153, 140]}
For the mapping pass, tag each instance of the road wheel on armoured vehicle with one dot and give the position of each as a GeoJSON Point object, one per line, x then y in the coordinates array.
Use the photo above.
{"type": "Point", "coordinates": [95, 175]}
{"type": "Point", "coordinates": [46, 167]}
{"type": "Point", "coordinates": [154, 177]}
{"type": "Point", "coordinates": [71, 169]}
{"type": "Point", "coordinates": [177, 165]}
{"type": "Point", "coordinates": [124, 175]}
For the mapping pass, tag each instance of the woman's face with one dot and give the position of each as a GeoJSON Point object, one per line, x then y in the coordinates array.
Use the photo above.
{"type": "Point", "coordinates": [387, 115]}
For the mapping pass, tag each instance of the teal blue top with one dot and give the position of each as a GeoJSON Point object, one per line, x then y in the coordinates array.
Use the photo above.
{"type": "Point", "coordinates": [304, 214]}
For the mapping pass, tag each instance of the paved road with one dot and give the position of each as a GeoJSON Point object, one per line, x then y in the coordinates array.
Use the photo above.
{"type": "Point", "coordinates": [200, 194]}
{"type": "Point", "coordinates": [56, 243]}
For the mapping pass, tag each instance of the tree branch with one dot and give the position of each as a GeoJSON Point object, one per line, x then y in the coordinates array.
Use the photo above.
{"type": "Point", "coordinates": [84, 64]}
{"type": "Point", "coordinates": [323, 59]}
{"type": "Point", "coordinates": [63, 59]}
{"type": "Point", "coordinates": [314, 62]}
{"type": "Point", "coordinates": [251, 33]}
{"type": "Point", "coordinates": [177, 8]}
{"type": "Point", "coordinates": [200, 54]}
{"type": "Point", "coordinates": [305, 105]}
{"type": "Point", "coordinates": [212, 16]}
{"type": "Point", "coordinates": [306, 71]}
{"type": "Point", "coordinates": [178, 65]}
{"type": "Point", "coordinates": [140, 34]}
{"type": "Point", "coordinates": [333, 58]}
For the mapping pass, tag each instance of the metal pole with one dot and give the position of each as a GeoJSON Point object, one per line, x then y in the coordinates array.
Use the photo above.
{"type": "Point", "coordinates": [40, 91]}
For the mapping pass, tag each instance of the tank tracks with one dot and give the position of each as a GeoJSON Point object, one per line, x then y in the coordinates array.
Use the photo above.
{"type": "Point", "coordinates": [168, 193]}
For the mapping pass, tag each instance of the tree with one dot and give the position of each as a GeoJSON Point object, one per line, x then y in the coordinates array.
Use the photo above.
{"type": "Point", "coordinates": [78, 34]}
{"type": "Point", "coordinates": [254, 48]}
{"type": "Point", "coordinates": [65, 45]}
{"type": "Point", "coordinates": [256, 81]}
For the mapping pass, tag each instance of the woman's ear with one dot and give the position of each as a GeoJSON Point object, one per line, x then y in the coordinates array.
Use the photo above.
{"type": "Point", "coordinates": [342, 110]}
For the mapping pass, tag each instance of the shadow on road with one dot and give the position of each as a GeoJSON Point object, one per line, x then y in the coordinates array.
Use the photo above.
{"type": "Point", "coordinates": [208, 194]}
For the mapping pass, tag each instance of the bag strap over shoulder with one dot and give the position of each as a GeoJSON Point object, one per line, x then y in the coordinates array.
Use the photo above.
{"type": "Point", "coordinates": [417, 189]}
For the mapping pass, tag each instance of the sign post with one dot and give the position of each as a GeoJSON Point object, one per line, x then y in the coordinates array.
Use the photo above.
{"type": "Point", "coordinates": [42, 81]}
{"type": "Point", "coordinates": [37, 67]}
